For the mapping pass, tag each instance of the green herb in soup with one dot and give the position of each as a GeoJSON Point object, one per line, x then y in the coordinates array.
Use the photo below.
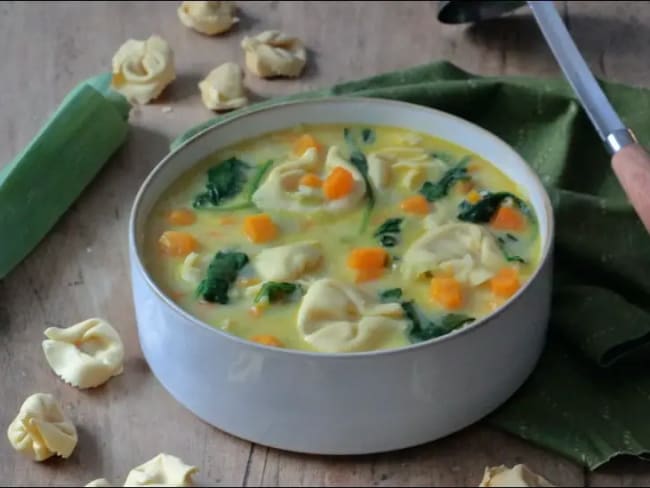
{"type": "Point", "coordinates": [440, 189]}
{"type": "Point", "coordinates": [225, 181]}
{"type": "Point", "coordinates": [221, 274]}
{"type": "Point", "coordinates": [332, 238]}
{"type": "Point", "coordinates": [388, 232]}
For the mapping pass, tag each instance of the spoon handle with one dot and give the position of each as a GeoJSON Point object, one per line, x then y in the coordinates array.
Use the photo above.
{"type": "Point", "coordinates": [632, 167]}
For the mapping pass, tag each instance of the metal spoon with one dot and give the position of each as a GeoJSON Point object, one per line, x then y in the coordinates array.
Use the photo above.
{"type": "Point", "coordinates": [630, 161]}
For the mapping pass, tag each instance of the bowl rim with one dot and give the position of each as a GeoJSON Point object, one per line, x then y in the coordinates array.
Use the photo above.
{"type": "Point", "coordinates": [137, 264]}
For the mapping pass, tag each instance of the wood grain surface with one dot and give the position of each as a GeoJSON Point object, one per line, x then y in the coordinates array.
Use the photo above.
{"type": "Point", "coordinates": [81, 269]}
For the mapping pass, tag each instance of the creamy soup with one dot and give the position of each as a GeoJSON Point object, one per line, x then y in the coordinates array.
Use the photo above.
{"type": "Point", "coordinates": [335, 238]}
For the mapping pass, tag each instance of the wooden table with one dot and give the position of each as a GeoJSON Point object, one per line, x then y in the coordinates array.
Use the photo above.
{"type": "Point", "coordinates": [81, 269]}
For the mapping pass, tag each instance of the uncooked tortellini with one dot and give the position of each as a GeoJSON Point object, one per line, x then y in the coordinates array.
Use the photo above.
{"type": "Point", "coordinates": [273, 53]}
{"type": "Point", "coordinates": [281, 189]}
{"type": "Point", "coordinates": [142, 69]}
{"type": "Point", "coordinates": [466, 250]}
{"type": "Point", "coordinates": [223, 88]}
{"type": "Point", "coordinates": [40, 430]}
{"type": "Point", "coordinates": [288, 262]}
{"type": "Point", "coordinates": [520, 475]}
{"type": "Point", "coordinates": [86, 354]}
{"type": "Point", "coordinates": [163, 470]}
{"type": "Point", "coordinates": [338, 317]}
{"type": "Point", "coordinates": [209, 17]}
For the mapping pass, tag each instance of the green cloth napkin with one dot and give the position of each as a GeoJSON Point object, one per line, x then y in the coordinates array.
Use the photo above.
{"type": "Point", "coordinates": [589, 396]}
{"type": "Point", "coordinates": [41, 183]}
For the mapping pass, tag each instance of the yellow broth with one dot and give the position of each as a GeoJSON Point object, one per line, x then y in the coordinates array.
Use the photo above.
{"type": "Point", "coordinates": [338, 233]}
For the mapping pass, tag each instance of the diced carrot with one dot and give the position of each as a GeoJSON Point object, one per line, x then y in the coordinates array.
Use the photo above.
{"type": "Point", "coordinates": [338, 183]}
{"type": "Point", "coordinates": [370, 274]}
{"type": "Point", "coordinates": [304, 142]}
{"type": "Point", "coordinates": [447, 292]}
{"type": "Point", "coordinates": [260, 228]}
{"type": "Point", "coordinates": [464, 186]}
{"type": "Point", "coordinates": [181, 216]}
{"type": "Point", "coordinates": [267, 340]}
{"type": "Point", "coordinates": [473, 197]}
{"type": "Point", "coordinates": [174, 243]}
{"type": "Point", "coordinates": [311, 180]}
{"type": "Point", "coordinates": [508, 218]}
{"type": "Point", "coordinates": [244, 282]}
{"type": "Point", "coordinates": [416, 204]}
{"type": "Point", "coordinates": [256, 311]}
{"type": "Point", "coordinates": [227, 220]}
{"type": "Point", "coordinates": [368, 258]}
{"type": "Point", "coordinates": [505, 283]}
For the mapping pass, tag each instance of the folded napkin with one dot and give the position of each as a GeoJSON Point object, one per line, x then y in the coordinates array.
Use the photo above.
{"type": "Point", "coordinates": [39, 185]}
{"type": "Point", "coordinates": [589, 396]}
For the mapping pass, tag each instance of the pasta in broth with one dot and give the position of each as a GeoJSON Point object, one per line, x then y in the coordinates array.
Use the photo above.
{"type": "Point", "coordinates": [334, 238]}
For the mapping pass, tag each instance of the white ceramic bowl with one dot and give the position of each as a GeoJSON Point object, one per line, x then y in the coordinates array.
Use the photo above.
{"type": "Point", "coordinates": [342, 403]}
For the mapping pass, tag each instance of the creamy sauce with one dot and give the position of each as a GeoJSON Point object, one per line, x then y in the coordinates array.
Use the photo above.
{"type": "Point", "coordinates": [413, 159]}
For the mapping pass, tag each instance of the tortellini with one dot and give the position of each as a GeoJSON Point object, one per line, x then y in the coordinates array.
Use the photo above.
{"type": "Point", "coordinates": [288, 262]}
{"type": "Point", "coordinates": [163, 470]}
{"type": "Point", "coordinates": [191, 268]}
{"type": "Point", "coordinates": [519, 475]}
{"type": "Point", "coordinates": [338, 317]}
{"type": "Point", "coordinates": [211, 17]}
{"type": "Point", "coordinates": [468, 251]}
{"type": "Point", "coordinates": [281, 189]}
{"type": "Point", "coordinates": [410, 166]}
{"type": "Point", "coordinates": [223, 88]}
{"type": "Point", "coordinates": [84, 355]}
{"type": "Point", "coordinates": [143, 69]}
{"type": "Point", "coordinates": [274, 53]}
{"type": "Point", "coordinates": [40, 430]}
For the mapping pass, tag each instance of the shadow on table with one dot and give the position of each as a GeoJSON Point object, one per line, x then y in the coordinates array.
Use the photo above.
{"type": "Point", "coordinates": [594, 36]}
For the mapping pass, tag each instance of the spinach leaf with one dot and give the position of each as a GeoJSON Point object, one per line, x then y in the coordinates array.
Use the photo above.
{"type": "Point", "coordinates": [273, 291]}
{"type": "Point", "coordinates": [506, 253]}
{"type": "Point", "coordinates": [442, 156]}
{"type": "Point", "coordinates": [257, 178]}
{"type": "Point", "coordinates": [349, 137]}
{"type": "Point", "coordinates": [390, 226]}
{"type": "Point", "coordinates": [225, 181]}
{"type": "Point", "coordinates": [390, 295]}
{"type": "Point", "coordinates": [386, 232]}
{"type": "Point", "coordinates": [368, 136]}
{"type": "Point", "coordinates": [222, 273]}
{"type": "Point", "coordinates": [422, 329]}
{"type": "Point", "coordinates": [358, 160]}
{"type": "Point", "coordinates": [436, 191]}
{"type": "Point", "coordinates": [482, 211]}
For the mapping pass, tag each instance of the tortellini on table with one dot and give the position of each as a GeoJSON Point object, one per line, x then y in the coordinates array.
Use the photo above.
{"type": "Point", "coordinates": [223, 88]}
{"type": "Point", "coordinates": [519, 475]}
{"type": "Point", "coordinates": [162, 470]}
{"type": "Point", "coordinates": [338, 317]}
{"type": "Point", "coordinates": [208, 17]}
{"type": "Point", "coordinates": [274, 53]}
{"type": "Point", "coordinates": [468, 251]}
{"type": "Point", "coordinates": [84, 355]}
{"type": "Point", "coordinates": [288, 262]}
{"type": "Point", "coordinates": [143, 69]}
{"type": "Point", "coordinates": [41, 430]}
{"type": "Point", "coordinates": [282, 190]}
